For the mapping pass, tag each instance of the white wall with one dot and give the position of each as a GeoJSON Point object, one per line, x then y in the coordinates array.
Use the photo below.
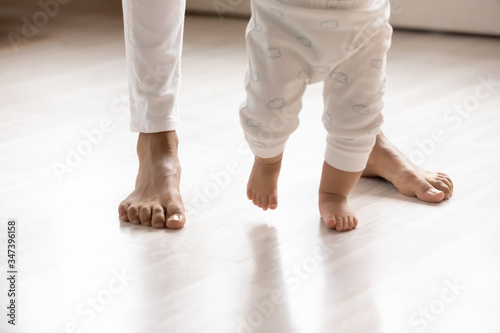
{"type": "Point", "coordinates": [470, 16]}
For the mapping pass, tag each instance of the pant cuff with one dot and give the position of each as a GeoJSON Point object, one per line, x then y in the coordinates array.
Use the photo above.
{"type": "Point", "coordinates": [163, 125]}
{"type": "Point", "coordinates": [265, 152]}
{"type": "Point", "coordinates": [346, 161]}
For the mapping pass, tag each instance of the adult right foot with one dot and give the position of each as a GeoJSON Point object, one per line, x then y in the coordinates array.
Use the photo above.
{"type": "Point", "coordinates": [156, 200]}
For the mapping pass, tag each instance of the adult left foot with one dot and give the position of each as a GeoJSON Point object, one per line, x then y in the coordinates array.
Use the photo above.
{"type": "Point", "coordinates": [389, 162]}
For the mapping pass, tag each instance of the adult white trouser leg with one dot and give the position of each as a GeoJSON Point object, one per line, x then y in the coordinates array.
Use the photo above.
{"type": "Point", "coordinates": [153, 39]}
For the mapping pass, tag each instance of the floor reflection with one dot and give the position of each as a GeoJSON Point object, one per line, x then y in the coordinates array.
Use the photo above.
{"type": "Point", "coordinates": [268, 303]}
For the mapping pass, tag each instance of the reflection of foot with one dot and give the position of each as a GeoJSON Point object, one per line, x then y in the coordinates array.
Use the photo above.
{"type": "Point", "coordinates": [334, 187]}
{"type": "Point", "coordinates": [262, 186]}
{"type": "Point", "coordinates": [156, 200]}
{"type": "Point", "coordinates": [388, 162]}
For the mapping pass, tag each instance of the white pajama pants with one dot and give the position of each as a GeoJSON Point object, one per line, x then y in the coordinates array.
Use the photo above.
{"type": "Point", "coordinates": [153, 39]}
{"type": "Point", "coordinates": [292, 43]}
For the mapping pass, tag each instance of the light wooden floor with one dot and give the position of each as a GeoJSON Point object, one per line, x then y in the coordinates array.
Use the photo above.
{"type": "Point", "coordinates": [223, 271]}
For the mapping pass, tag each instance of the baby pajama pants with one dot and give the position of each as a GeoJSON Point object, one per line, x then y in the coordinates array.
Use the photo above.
{"type": "Point", "coordinates": [292, 43]}
{"type": "Point", "coordinates": [153, 39]}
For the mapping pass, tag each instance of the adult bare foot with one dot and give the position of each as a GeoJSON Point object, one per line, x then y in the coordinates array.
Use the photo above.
{"type": "Point", "coordinates": [262, 186]}
{"type": "Point", "coordinates": [156, 200]}
{"type": "Point", "coordinates": [389, 162]}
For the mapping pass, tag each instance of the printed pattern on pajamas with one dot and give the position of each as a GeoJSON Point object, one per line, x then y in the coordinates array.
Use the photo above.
{"type": "Point", "coordinates": [293, 43]}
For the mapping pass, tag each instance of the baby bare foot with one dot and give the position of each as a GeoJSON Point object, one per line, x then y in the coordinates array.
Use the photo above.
{"type": "Point", "coordinates": [336, 213]}
{"type": "Point", "coordinates": [156, 200]}
{"type": "Point", "coordinates": [333, 191]}
{"type": "Point", "coordinates": [388, 162]}
{"type": "Point", "coordinates": [262, 186]}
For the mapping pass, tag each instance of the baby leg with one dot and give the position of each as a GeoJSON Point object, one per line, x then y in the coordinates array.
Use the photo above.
{"type": "Point", "coordinates": [268, 118]}
{"type": "Point", "coordinates": [353, 103]}
{"type": "Point", "coordinates": [274, 99]}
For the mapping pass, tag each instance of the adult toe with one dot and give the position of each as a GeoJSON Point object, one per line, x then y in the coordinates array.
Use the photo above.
{"type": "Point", "coordinates": [428, 193]}
{"type": "Point", "coordinates": [158, 217]}
{"type": "Point", "coordinates": [133, 214]}
{"type": "Point", "coordinates": [442, 186]}
{"type": "Point", "coordinates": [175, 218]}
{"type": "Point", "coordinates": [145, 215]}
{"type": "Point", "coordinates": [448, 183]}
{"type": "Point", "coordinates": [122, 211]}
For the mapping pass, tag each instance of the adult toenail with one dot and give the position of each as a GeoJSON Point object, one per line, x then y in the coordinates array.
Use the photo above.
{"type": "Point", "coordinates": [174, 217]}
